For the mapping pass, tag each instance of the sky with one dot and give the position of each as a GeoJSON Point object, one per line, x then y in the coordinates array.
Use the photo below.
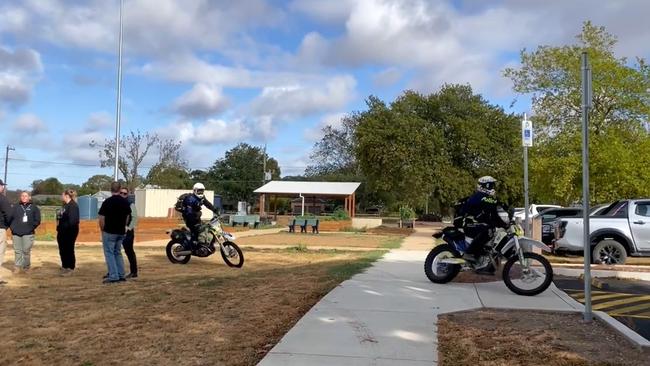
{"type": "Point", "coordinates": [214, 73]}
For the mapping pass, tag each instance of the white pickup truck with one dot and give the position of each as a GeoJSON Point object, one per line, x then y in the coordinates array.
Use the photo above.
{"type": "Point", "coordinates": [618, 231]}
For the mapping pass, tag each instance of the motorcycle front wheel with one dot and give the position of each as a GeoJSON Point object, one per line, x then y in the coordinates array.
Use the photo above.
{"type": "Point", "coordinates": [232, 255]}
{"type": "Point", "coordinates": [174, 247]}
{"type": "Point", "coordinates": [530, 278]}
{"type": "Point", "coordinates": [441, 272]}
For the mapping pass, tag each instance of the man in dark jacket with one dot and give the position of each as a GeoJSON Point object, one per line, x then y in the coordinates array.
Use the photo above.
{"type": "Point", "coordinates": [192, 210]}
{"type": "Point", "coordinates": [5, 213]}
{"type": "Point", "coordinates": [113, 219]}
{"type": "Point", "coordinates": [481, 216]}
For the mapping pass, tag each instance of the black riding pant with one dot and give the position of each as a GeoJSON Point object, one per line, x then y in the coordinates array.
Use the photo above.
{"type": "Point", "coordinates": [129, 238]}
{"type": "Point", "coordinates": [480, 234]}
{"type": "Point", "coordinates": [66, 239]}
{"type": "Point", "coordinates": [194, 224]}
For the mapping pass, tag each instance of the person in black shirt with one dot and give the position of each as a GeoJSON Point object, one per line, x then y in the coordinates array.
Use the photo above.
{"type": "Point", "coordinates": [25, 218]}
{"type": "Point", "coordinates": [67, 230]}
{"type": "Point", "coordinates": [113, 219]}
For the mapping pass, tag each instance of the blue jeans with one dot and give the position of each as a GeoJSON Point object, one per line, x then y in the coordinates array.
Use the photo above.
{"type": "Point", "coordinates": [112, 244]}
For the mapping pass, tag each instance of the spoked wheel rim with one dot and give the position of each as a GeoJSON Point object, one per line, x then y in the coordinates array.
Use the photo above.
{"type": "Point", "coordinates": [232, 255]}
{"type": "Point", "coordinates": [528, 275]}
{"type": "Point", "coordinates": [441, 269]}
{"type": "Point", "coordinates": [177, 247]}
{"type": "Point", "coordinates": [610, 254]}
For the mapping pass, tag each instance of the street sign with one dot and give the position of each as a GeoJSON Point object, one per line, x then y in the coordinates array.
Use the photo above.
{"type": "Point", "coordinates": [527, 133]}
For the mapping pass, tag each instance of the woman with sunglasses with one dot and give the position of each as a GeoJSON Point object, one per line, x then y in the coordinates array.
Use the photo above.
{"type": "Point", "coordinates": [67, 230]}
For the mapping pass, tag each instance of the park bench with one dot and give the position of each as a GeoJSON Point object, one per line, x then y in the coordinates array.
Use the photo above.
{"type": "Point", "coordinates": [245, 220]}
{"type": "Point", "coordinates": [303, 223]}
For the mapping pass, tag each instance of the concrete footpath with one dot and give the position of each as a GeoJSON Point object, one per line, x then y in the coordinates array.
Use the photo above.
{"type": "Point", "coordinates": [388, 314]}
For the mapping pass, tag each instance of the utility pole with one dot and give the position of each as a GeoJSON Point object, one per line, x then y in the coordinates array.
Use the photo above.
{"type": "Point", "coordinates": [586, 106]}
{"type": "Point", "coordinates": [264, 166]}
{"type": "Point", "coordinates": [118, 113]}
{"type": "Point", "coordinates": [9, 148]}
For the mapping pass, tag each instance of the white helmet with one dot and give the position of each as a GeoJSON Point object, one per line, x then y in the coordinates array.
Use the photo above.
{"type": "Point", "coordinates": [199, 190]}
{"type": "Point", "coordinates": [487, 185]}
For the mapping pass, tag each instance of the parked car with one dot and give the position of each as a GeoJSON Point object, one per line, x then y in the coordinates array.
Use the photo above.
{"type": "Point", "coordinates": [620, 230]}
{"type": "Point", "coordinates": [550, 220]}
{"type": "Point", "coordinates": [533, 210]}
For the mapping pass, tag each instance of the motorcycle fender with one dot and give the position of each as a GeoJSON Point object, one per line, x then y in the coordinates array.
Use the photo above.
{"type": "Point", "coordinates": [526, 243]}
{"type": "Point", "coordinates": [229, 236]}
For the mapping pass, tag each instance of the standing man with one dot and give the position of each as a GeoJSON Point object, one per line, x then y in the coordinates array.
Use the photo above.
{"type": "Point", "coordinates": [129, 238]}
{"type": "Point", "coordinates": [5, 213]}
{"type": "Point", "coordinates": [113, 219]}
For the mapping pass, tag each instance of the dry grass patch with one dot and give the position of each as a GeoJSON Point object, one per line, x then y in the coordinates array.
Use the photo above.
{"type": "Point", "coordinates": [323, 240]}
{"type": "Point", "coordinates": [508, 337]}
{"type": "Point", "coordinates": [202, 313]}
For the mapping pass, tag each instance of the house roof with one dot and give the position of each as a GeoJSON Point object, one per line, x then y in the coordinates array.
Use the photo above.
{"type": "Point", "coordinates": [309, 188]}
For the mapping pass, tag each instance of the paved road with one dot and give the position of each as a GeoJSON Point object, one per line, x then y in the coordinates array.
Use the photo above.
{"type": "Point", "coordinates": [626, 300]}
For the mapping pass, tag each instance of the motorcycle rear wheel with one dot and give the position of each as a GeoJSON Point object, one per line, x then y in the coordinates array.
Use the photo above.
{"type": "Point", "coordinates": [232, 255]}
{"type": "Point", "coordinates": [443, 272]}
{"type": "Point", "coordinates": [510, 268]}
{"type": "Point", "coordinates": [174, 246]}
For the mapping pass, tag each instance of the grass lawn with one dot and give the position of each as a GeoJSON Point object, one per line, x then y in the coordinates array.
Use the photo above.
{"type": "Point", "coordinates": [334, 240]}
{"type": "Point", "coordinates": [527, 338]}
{"type": "Point", "coordinates": [202, 313]}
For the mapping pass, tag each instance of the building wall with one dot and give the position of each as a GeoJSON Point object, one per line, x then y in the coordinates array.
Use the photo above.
{"type": "Point", "coordinates": [157, 202]}
{"type": "Point", "coordinates": [366, 223]}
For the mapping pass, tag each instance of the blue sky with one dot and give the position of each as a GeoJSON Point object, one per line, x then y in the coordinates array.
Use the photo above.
{"type": "Point", "coordinates": [216, 73]}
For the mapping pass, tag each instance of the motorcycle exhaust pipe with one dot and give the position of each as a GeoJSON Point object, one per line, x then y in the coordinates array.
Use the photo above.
{"type": "Point", "coordinates": [183, 253]}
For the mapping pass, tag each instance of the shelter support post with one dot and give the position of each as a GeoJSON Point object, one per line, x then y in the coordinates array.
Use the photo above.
{"type": "Point", "coordinates": [262, 204]}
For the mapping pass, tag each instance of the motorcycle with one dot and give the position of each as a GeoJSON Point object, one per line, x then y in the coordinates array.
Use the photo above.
{"type": "Point", "coordinates": [524, 273]}
{"type": "Point", "coordinates": [212, 234]}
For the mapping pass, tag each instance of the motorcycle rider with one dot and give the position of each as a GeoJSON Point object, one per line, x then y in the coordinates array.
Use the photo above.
{"type": "Point", "coordinates": [192, 210]}
{"type": "Point", "coordinates": [480, 218]}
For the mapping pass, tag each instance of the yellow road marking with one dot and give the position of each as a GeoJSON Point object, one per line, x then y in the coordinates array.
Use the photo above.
{"type": "Point", "coordinates": [620, 302]}
{"type": "Point", "coordinates": [631, 309]}
{"type": "Point", "coordinates": [610, 295]}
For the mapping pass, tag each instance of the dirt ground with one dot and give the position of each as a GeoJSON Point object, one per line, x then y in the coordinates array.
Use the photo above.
{"type": "Point", "coordinates": [509, 337]}
{"type": "Point", "coordinates": [202, 313]}
{"type": "Point", "coordinates": [323, 240]}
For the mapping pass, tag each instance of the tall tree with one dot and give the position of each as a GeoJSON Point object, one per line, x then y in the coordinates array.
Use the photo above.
{"type": "Point", "coordinates": [96, 183]}
{"type": "Point", "coordinates": [134, 147]}
{"type": "Point", "coordinates": [47, 186]}
{"type": "Point", "coordinates": [240, 172]}
{"type": "Point", "coordinates": [618, 121]}
{"type": "Point", "coordinates": [432, 148]}
{"type": "Point", "coordinates": [334, 153]}
{"type": "Point", "coordinates": [169, 177]}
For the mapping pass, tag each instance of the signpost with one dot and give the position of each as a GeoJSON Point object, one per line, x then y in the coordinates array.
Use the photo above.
{"type": "Point", "coordinates": [586, 106]}
{"type": "Point", "coordinates": [527, 141]}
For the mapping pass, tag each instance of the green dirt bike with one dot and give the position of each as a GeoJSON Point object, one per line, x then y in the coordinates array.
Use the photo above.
{"type": "Point", "coordinates": [524, 273]}
{"type": "Point", "coordinates": [212, 234]}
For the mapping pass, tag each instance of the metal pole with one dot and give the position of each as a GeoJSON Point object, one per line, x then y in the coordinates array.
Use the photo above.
{"type": "Point", "coordinates": [119, 101]}
{"type": "Point", "coordinates": [9, 148]}
{"type": "Point", "coordinates": [586, 105]}
{"type": "Point", "coordinates": [526, 202]}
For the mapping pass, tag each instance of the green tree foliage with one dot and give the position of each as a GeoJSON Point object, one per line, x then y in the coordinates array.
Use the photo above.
{"type": "Point", "coordinates": [47, 186]}
{"type": "Point", "coordinates": [96, 183]}
{"type": "Point", "coordinates": [618, 121]}
{"type": "Point", "coordinates": [240, 172]}
{"type": "Point", "coordinates": [169, 177]}
{"type": "Point", "coordinates": [434, 147]}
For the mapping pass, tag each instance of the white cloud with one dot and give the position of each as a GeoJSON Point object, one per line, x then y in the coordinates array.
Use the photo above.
{"type": "Point", "coordinates": [295, 101]}
{"type": "Point", "coordinates": [29, 124]}
{"type": "Point", "coordinates": [151, 27]}
{"type": "Point", "coordinates": [97, 121]}
{"type": "Point", "coordinates": [19, 71]}
{"type": "Point", "coordinates": [334, 120]}
{"type": "Point", "coordinates": [387, 77]}
{"type": "Point", "coordinates": [209, 132]}
{"type": "Point", "coordinates": [77, 147]}
{"type": "Point", "coordinates": [203, 100]}
{"type": "Point", "coordinates": [323, 11]}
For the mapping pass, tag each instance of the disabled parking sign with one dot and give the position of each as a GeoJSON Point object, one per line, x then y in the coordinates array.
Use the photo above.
{"type": "Point", "coordinates": [527, 133]}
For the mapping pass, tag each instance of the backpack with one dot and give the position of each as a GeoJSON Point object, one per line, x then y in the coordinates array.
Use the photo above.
{"type": "Point", "coordinates": [459, 212]}
{"type": "Point", "coordinates": [180, 202]}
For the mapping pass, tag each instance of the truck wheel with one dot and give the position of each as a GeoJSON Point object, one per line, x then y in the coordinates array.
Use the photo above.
{"type": "Point", "coordinates": [609, 252]}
